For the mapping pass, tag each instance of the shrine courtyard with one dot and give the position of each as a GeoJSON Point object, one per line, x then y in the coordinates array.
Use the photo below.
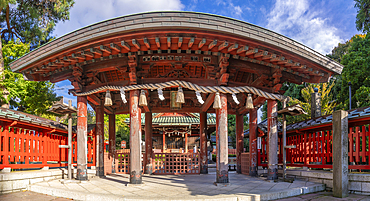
{"type": "Point", "coordinates": [179, 75]}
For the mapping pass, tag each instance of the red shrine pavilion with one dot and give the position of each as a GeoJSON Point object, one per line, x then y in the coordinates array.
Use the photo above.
{"type": "Point", "coordinates": [183, 62]}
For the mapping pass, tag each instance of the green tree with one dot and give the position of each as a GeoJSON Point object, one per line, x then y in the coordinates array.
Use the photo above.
{"type": "Point", "coordinates": [357, 71]}
{"type": "Point", "coordinates": [32, 21]}
{"type": "Point", "coordinates": [27, 96]}
{"type": "Point", "coordinates": [26, 24]}
{"type": "Point", "coordinates": [363, 15]}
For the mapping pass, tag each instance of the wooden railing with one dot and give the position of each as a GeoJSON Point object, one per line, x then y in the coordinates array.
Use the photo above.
{"type": "Point", "coordinates": [176, 163]}
{"type": "Point", "coordinates": [314, 146]}
{"type": "Point", "coordinates": [35, 147]}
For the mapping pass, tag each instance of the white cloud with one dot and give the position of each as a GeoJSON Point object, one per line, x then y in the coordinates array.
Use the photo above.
{"type": "Point", "coordinates": [294, 19]}
{"type": "Point", "coordinates": [86, 12]}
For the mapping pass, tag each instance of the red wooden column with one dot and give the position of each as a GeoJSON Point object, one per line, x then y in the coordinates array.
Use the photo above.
{"type": "Point", "coordinates": [203, 143]}
{"type": "Point", "coordinates": [148, 143]}
{"type": "Point", "coordinates": [99, 110]}
{"type": "Point", "coordinates": [186, 142]}
{"type": "Point", "coordinates": [239, 128]}
{"type": "Point", "coordinates": [253, 142]}
{"type": "Point", "coordinates": [163, 142]}
{"type": "Point", "coordinates": [112, 140]}
{"type": "Point", "coordinates": [135, 136]}
{"type": "Point", "coordinates": [222, 152]}
{"type": "Point", "coordinates": [81, 138]}
{"type": "Point", "coordinates": [272, 139]}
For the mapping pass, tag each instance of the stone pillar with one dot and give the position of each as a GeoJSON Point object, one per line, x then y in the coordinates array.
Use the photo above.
{"type": "Point", "coordinates": [272, 139]}
{"type": "Point", "coordinates": [99, 112]}
{"type": "Point", "coordinates": [112, 140]}
{"type": "Point", "coordinates": [203, 143]}
{"type": "Point", "coordinates": [81, 138]}
{"type": "Point", "coordinates": [148, 143]}
{"type": "Point", "coordinates": [340, 154]}
{"type": "Point", "coordinates": [135, 136]}
{"type": "Point", "coordinates": [253, 142]}
{"type": "Point", "coordinates": [239, 132]}
{"type": "Point", "coordinates": [315, 104]}
{"type": "Point", "coordinates": [222, 152]}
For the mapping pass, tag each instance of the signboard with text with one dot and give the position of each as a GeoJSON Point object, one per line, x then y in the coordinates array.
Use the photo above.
{"type": "Point", "coordinates": [123, 144]}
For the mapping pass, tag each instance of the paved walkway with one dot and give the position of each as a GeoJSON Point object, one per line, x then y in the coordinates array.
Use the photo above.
{"type": "Point", "coordinates": [176, 187]}
{"type": "Point", "coordinates": [326, 196]}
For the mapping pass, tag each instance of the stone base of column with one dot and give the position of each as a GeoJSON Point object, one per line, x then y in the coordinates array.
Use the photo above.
{"type": "Point", "coordinates": [149, 169]}
{"type": "Point", "coordinates": [81, 172]}
{"type": "Point", "coordinates": [100, 171]}
{"type": "Point", "coordinates": [136, 178]}
{"type": "Point", "coordinates": [253, 171]}
{"type": "Point", "coordinates": [204, 169]}
{"type": "Point", "coordinates": [238, 169]}
{"type": "Point", "coordinates": [272, 174]}
{"type": "Point", "coordinates": [222, 177]}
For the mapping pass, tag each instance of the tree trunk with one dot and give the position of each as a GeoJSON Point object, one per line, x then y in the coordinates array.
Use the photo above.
{"type": "Point", "coordinates": [4, 91]}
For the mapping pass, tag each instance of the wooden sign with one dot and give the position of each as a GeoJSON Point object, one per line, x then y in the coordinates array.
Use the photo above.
{"type": "Point", "coordinates": [123, 144]}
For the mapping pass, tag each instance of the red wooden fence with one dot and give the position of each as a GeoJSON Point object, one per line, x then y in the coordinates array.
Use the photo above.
{"type": "Point", "coordinates": [24, 147]}
{"type": "Point", "coordinates": [314, 146]}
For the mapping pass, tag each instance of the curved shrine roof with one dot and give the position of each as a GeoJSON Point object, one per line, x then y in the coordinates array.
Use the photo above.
{"type": "Point", "coordinates": [103, 44]}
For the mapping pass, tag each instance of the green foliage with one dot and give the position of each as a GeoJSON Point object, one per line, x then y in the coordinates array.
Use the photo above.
{"type": "Point", "coordinates": [363, 15]}
{"type": "Point", "coordinates": [232, 128]}
{"type": "Point", "coordinates": [327, 103]}
{"type": "Point", "coordinates": [357, 71]}
{"type": "Point", "coordinates": [122, 129]}
{"type": "Point", "coordinates": [27, 96]}
{"type": "Point", "coordinates": [32, 21]}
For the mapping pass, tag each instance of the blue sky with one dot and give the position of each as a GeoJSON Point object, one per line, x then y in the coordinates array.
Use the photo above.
{"type": "Point", "coordinates": [319, 24]}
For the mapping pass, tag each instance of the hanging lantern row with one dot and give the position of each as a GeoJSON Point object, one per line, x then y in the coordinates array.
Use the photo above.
{"type": "Point", "coordinates": [180, 95]}
{"type": "Point", "coordinates": [180, 98]}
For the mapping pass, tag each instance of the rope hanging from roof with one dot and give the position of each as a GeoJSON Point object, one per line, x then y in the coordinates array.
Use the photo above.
{"type": "Point", "coordinates": [188, 85]}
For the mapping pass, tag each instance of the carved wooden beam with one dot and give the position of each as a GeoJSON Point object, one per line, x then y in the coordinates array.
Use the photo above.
{"type": "Point", "coordinates": [125, 45]}
{"type": "Point", "coordinates": [179, 43]}
{"type": "Point", "coordinates": [201, 43]}
{"type": "Point", "coordinates": [242, 49]}
{"type": "Point", "coordinates": [169, 42]}
{"type": "Point", "coordinates": [212, 44]}
{"type": "Point", "coordinates": [223, 45]}
{"type": "Point", "coordinates": [146, 42]}
{"type": "Point", "coordinates": [232, 47]}
{"type": "Point", "coordinates": [136, 44]}
{"type": "Point", "coordinates": [115, 47]}
{"type": "Point", "coordinates": [96, 51]}
{"type": "Point", "coordinates": [191, 42]}
{"type": "Point", "coordinates": [87, 54]}
{"type": "Point", "coordinates": [94, 99]}
{"type": "Point", "coordinates": [132, 62]}
{"type": "Point", "coordinates": [208, 102]}
{"type": "Point", "coordinates": [251, 51]}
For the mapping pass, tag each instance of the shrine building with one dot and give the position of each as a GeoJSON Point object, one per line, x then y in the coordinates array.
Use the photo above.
{"type": "Point", "coordinates": [176, 62]}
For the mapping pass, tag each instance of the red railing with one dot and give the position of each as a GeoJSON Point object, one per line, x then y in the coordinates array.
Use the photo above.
{"type": "Point", "coordinates": [314, 146]}
{"type": "Point", "coordinates": [24, 147]}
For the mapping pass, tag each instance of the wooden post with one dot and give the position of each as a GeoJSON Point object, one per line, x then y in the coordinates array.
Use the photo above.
{"type": "Point", "coordinates": [203, 143]}
{"type": "Point", "coordinates": [163, 142]}
{"type": "Point", "coordinates": [222, 152]}
{"type": "Point", "coordinates": [272, 139]}
{"type": "Point", "coordinates": [239, 128]}
{"type": "Point", "coordinates": [135, 136]}
{"type": "Point", "coordinates": [284, 142]}
{"type": "Point", "coordinates": [69, 142]}
{"type": "Point", "coordinates": [148, 143]}
{"type": "Point", "coordinates": [186, 142]}
{"type": "Point", "coordinates": [112, 140]}
{"type": "Point", "coordinates": [99, 111]}
{"type": "Point", "coordinates": [253, 142]}
{"type": "Point", "coordinates": [81, 138]}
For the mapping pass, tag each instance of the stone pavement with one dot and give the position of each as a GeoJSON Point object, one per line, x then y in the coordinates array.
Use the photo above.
{"type": "Point", "coordinates": [176, 187]}
{"type": "Point", "coordinates": [326, 196]}
{"type": "Point", "coordinates": [29, 196]}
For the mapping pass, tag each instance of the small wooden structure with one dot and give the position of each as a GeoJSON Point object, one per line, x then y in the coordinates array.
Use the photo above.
{"type": "Point", "coordinates": [219, 65]}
